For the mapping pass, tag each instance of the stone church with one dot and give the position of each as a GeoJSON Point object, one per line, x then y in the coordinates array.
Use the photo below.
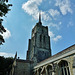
{"type": "Point", "coordinates": [39, 60]}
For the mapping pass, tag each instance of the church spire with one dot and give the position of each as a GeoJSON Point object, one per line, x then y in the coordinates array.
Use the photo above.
{"type": "Point", "coordinates": [40, 19]}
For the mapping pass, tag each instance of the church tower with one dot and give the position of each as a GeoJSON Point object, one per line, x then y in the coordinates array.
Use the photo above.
{"type": "Point", "coordinates": [39, 45]}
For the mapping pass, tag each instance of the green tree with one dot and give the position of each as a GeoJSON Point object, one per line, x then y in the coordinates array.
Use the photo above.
{"type": "Point", "coordinates": [4, 8]}
{"type": "Point", "coordinates": [5, 65]}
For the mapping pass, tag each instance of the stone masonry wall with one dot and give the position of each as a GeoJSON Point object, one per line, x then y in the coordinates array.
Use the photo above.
{"type": "Point", "coordinates": [23, 67]}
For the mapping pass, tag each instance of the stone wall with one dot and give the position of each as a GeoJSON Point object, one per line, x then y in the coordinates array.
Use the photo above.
{"type": "Point", "coordinates": [23, 67]}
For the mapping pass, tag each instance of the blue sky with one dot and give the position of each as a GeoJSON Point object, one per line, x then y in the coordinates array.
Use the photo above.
{"type": "Point", "coordinates": [58, 15]}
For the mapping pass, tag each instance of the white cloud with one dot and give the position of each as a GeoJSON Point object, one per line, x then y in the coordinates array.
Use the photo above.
{"type": "Point", "coordinates": [6, 54]}
{"type": "Point", "coordinates": [6, 34]}
{"type": "Point", "coordinates": [49, 2]}
{"type": "Point", "coordinates": [56, 26]}
{"type": "Point", "coordinates": [54, 13]}
{"type": "Point", "coordinates": [31, 7]}
{"type": "Point", "coordinates": [57, 38]}
{"type": "Point", "coordinates": [51, 34]}
{"type": "Point", "coordinates": [64, 6]}
{"type": "Point", "coordinates": [53, 37]}
{"type": "Point", "coordinates": [45, 16]}
{"type": "Point", "coordinates": [70, 24]}
{"type": "Point", "coordinates": [60, 23]}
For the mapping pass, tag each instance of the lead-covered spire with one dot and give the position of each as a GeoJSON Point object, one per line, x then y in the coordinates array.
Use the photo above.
{"type": "Point", "coordinates": [40, 18]}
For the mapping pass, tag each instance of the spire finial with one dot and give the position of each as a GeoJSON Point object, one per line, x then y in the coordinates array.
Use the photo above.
{"type": "Point", "coordinates": [39, 17]}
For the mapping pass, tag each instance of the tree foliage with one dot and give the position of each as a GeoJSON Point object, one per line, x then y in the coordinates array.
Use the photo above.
{"type": "Point", "coordinates": [4, 8]}
{"type": "Point", "coordinates": [5, 65]}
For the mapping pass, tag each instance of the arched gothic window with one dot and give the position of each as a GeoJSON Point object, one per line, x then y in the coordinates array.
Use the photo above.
{"type": "Point", "coordinates": [44, 39]}
{"type": "Point", "coordinates": [39, 71]}
{"type": "Point", "coordinates": [64, 68]}
{"type": "Point", "coordinates": [43, 72]}
{"type": "Point", "coordinates": [49, 69]}
{"type": "Point", "coordinates": [40, 40]}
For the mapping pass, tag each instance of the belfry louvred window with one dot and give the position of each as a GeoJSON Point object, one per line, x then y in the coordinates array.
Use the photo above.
{"type": "Point", "coordinates": [40, 40]}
